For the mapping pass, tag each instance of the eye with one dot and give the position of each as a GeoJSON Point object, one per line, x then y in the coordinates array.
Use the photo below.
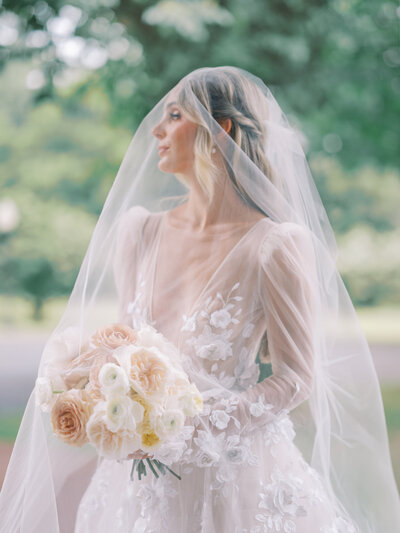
{"type": "Point", "coordinates": [175, 115]}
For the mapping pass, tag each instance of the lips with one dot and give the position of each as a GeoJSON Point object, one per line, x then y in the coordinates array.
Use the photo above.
{"type": "Point", "coordinates": [162, 149]}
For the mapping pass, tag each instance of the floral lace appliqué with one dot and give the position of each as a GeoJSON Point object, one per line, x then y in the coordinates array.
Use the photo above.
{"type": "Point", "coordinates": [219, 313]}
{"type": "Point", "coordinates": [137, 309]}
{"type": "Point", "coordinates": [282, 501]}
{"type": "Point", "coordinates": [154, 500]}
{"type": "Point", "coordinates": [214, 339]}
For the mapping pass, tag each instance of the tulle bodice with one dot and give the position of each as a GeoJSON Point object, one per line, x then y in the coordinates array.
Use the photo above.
{"type": "Point", "coordinates": [216, 298]}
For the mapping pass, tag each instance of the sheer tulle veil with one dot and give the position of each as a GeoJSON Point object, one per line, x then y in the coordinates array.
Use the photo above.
{"type": "Point", "coordinates": [340, 426]}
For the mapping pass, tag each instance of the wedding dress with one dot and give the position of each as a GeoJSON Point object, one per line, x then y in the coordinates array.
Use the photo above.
{"type": "Point", "coordinates": [252, 483]}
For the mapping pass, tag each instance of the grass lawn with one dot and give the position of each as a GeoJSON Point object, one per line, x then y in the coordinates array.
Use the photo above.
{"type": "Point", "coordinates": [9, 424]}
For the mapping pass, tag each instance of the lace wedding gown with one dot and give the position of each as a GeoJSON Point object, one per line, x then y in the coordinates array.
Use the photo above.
{"type": "Point", "coordinates": [242, 482]}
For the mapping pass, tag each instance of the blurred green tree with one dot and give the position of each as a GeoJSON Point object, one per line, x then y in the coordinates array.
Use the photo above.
{"type": "Point", "coordinates": [57, 165]}
{"type": "Point", "coordinates": [334, 63]}
{"type": "Point", "coordinates": [79, 76]}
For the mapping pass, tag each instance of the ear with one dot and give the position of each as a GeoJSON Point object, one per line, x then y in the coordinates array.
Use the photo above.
{"type": "Point", "coordinates": [226, 124]}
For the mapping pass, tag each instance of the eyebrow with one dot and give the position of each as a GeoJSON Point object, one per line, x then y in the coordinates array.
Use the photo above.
{"type": "Point", "coordinates": [171, 104]}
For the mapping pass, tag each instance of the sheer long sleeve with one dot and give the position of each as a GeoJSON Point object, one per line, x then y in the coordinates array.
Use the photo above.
{"type": "Point", "coordinates": [126, 257]}
{"type": "Point", "coordinates": [288, 289]}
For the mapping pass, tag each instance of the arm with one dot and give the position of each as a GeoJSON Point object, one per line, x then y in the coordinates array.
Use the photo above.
{"type": "Point", "coordinates": [128, 236]}
{"type": "Point", "coordinates": [288, 291]}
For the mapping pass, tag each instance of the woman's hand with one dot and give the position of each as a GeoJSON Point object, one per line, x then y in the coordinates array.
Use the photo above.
{"type": "Point", "coordinates": [139, 455]}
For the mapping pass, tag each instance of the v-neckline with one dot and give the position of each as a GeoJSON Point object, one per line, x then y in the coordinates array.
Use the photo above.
{"type": "Point", "coordinates": [207, 284]}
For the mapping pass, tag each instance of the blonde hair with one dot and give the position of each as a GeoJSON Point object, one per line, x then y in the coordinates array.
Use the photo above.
{"type": "Point", "coordinates": [227, 95]}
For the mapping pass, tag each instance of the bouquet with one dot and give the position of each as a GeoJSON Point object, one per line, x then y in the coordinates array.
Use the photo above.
{"type": "Point", "coordinates": [126, 391]}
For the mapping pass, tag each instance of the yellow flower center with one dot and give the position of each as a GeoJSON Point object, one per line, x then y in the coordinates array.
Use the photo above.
{"type": "Point", "coordinates": [150, 438]}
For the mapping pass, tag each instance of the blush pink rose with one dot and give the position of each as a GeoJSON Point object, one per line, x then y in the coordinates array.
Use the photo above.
{"type": "Point", "coordinates": [113, 336]}
{"type": "Point", "coordinates": [70, 415]}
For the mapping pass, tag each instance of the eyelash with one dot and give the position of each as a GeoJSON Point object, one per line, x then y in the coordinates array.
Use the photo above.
{"type": "Point", "coordinates": [174, 116]}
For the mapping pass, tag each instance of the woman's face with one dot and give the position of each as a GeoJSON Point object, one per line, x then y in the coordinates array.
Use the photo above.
{"type": "Point", "coordinates": [176, 135]}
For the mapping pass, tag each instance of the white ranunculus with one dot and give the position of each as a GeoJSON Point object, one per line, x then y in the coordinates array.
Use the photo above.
{"type": "Point", "coordinates": [113, 379]}
{"type": "Point", "coordinates": [219, 418]}
{"type": "Point", "coordinates": [44, 397]}
{"type": "Point", "coordinates": [122, 413]}
{"type": "Point", "coordinates": [47, 389]}
{"type": "Point", "coordinates": [191, 401]}
{"type": "Point", "coordinates": [169, 423]}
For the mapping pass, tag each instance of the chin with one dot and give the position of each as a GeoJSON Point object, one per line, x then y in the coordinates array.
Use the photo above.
{"type": "Point", "coordinates": [168, 169]}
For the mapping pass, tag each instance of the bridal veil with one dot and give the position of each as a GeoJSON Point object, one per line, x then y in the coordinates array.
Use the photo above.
{"type": "Point", "coordinates": [313, 361]}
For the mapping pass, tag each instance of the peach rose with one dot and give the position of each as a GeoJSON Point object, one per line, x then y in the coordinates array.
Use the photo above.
{"type": "Point", "coordinates": [148, 372]}
{"type": "Point", "coordinates": [70, 415]}
{"type": "Point", "coordinates": [178, 386]}
{"type": "Point", "coordinates": [79, 369]}
{"type": "Point", "coordinates": [114, 335]}
{"type": "Point", "coordinates": [116, 445]}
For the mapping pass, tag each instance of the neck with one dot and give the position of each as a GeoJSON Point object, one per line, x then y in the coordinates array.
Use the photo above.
{"type": "Point", "coordinates": [226, 206]}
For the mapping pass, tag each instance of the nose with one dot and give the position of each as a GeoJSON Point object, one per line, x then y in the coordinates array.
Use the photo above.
{"type": "Point", "coordinates": [158, 131]}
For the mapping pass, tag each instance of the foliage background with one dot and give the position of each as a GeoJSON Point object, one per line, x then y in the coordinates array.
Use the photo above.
{"type": "Point", "coordinates": [77, 77]}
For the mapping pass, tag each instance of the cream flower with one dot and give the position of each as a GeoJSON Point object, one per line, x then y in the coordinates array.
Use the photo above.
{"type": "Point", "coordinates": [191, 401]}
{"type": "Point", "coordinates": [114, 335]}
{"type": "Point", "coordinates": [110, 444]}
{"type": "Point", "coordinates": [70, 415]}
{"type": "Point", "coordinates": [44, 396]}
{"type": "Point", "coordinates": [149, 372]}
{"type": "Point", "coordinates": [150, 440]}
{"type": "Point", "coordinates": [151, 338]}
{"type": "Point", "coordinates": [179, 385]}
{"type": "Point", "coordinates": [169, 423]}
{"type": "Point", "coordinates": [113, 379]}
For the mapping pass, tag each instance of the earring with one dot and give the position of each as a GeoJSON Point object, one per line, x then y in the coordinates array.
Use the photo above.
{"type": "Point", "coordinates": [213, 150]}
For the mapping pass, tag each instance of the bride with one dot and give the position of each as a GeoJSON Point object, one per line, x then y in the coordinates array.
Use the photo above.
{"type": "Point", "coordinates": [238, 273]}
